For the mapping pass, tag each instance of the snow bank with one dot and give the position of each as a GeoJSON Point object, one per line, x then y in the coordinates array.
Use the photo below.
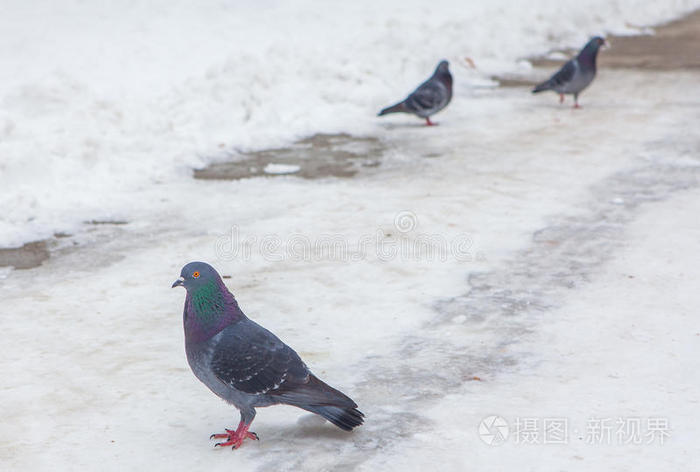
{"type": "Point", "coordinates": [100, 101]}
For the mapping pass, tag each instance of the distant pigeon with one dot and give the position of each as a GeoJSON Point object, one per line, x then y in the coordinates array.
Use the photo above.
{"type": "Point", "coordinates": [429, 98]}
{"type": "Point", "coordinates": [576, 74]}
{"type": "Point", "coordinates": [247, 365]}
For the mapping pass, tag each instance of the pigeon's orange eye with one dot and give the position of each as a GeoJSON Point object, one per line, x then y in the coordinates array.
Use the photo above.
{"type": "Point", "coordinates": [195, 275]}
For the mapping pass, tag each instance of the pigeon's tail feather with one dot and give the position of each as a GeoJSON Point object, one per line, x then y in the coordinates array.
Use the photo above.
{"type": "Point", "coordinates": [315, 392]}
{"type": "Point", "coordinates": [546, 85]}
{"type": "Point", "coordinates": [344, 418]}
{"type": "Point", "coordinates": [398, 108]}
{"type": "Point", "coordinates": [318, 397]}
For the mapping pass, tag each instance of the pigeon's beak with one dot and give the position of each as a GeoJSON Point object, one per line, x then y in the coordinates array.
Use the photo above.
{"type": "Point", "coordinates": [179, 282]}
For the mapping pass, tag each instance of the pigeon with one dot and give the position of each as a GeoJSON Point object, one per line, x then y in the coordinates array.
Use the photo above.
{"type": "Point", "coordinates": [429, 98]}
{"type": "Point", "coordinates": [247, 365]}
{"type": "Point", "coordinates": [576, 74]}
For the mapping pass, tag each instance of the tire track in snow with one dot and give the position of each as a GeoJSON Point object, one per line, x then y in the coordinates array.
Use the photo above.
{"type": "Point", "coordinates": [501, 307]}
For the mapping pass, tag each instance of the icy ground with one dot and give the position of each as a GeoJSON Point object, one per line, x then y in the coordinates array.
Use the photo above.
{"type": "Point", "coordinates": [580, 300]}
{"type": "Point", "coordinates": [569, 292]}
{"type": "Point", "coordinates": [102, 101]}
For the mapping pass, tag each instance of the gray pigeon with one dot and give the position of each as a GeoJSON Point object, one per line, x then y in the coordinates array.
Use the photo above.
{"type": "Point", "coordinates": [244, 363]}
{"type": "Point", "coordinates": [429, 98]}
{"type": "Point", "coordinates": [576, 74]}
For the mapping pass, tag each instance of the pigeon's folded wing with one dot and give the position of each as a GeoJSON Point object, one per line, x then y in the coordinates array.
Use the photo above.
{"type": "Point", "coordinates": [251, 359]}
{"type": "Point", "coordinates": [564, 75]}
{"type": "Point", "coordinates": [426, 97]}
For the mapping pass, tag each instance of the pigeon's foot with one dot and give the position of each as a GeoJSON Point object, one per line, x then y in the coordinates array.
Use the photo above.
{"type": "Point", "coordinates": [235, 438]}
{"type": "Point", "coordinates": [577, 106]}
{"type": "Point", "coordinates": [561, 98]}
{"type": "Point", "coordinates": [428, 122]}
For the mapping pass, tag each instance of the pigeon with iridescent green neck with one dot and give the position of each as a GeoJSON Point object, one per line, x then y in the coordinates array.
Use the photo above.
{"type": "Point", "coordinates": [247, 365]}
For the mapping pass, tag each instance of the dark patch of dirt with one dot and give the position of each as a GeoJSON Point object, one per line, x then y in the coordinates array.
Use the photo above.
{"type": "Point", "coordinates": [318, 156]}
{"type": "Point", "coordinates": [28, 256]}
{"type": "Point", "coordinates": [673, 46]}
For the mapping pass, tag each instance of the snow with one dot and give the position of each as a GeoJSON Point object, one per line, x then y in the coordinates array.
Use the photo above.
{"type": "Point", "coordinates": [623, 347]}
{"type": "Point", "coordinates": [281, 168]}
{"type": "Point", "coordinates": [572, 295]}
{"type": "Point", "coordinates": [101, 101]}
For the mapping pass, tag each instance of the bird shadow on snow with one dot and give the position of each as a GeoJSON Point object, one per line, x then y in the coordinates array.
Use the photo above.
{"type": "Point", "coordinates": [308, 426]}
{"type": "Point", "coordinates": [307, 431]}
{"type": "Point", "coordinates": [587, 105]}
{"type": "Point", "coordinates": [419, 124]}
{"type": "Point", "coordinates": [566, 106]}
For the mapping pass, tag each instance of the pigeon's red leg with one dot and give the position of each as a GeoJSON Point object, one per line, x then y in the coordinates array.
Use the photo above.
{"type": "Point", "coordinates": [576, 105]}
{"type": "Point", "coordinates": [428, 122]}
{"type": "Point", "coordinates": [235, 438]}
{"type": "Point", "coordinates": [561, 98]}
